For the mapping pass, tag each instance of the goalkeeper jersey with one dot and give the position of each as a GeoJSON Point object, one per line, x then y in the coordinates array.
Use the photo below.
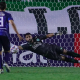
{"type": "Point", "coordinates": [38, 46]}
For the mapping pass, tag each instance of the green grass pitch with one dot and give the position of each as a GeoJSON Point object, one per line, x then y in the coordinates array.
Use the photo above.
{"type": "Point", "coordinates": [41, 73]}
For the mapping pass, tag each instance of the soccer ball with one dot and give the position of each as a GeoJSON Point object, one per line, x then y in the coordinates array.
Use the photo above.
{"type": "Point", "coordinates": [14, 49]}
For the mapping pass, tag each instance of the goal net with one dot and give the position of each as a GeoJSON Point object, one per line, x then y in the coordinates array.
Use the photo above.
{"type": "Point", "coordinates": [42, 17]}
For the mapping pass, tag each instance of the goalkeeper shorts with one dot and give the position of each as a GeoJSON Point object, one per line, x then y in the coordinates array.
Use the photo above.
{"type": "Point", "coordinates": [54, 53]}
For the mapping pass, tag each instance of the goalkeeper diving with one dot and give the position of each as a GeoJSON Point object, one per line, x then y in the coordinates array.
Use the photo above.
{"type": "Point", "coordinates": [50, 51]}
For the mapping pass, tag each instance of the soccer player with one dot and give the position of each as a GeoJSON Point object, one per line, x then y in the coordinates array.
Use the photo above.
{"type": "Point", "coordinates": [50, 51]}
{"type": "Point", "coordinates": [5, 19]}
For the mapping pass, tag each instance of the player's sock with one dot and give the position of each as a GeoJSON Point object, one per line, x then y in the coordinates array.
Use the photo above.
{"type": "Point", "coordinates": [0, 61]}
{"type": "Point", "coordinates": [6, 60]}
{"type": "Point", "coordinates": [2, 65]}
{"type": "Point", "coordinates": [73, 54]}
{"type": "Point", "coordinates": [71, 60]}
{"type": "Point", "coordinates": [6, 57]}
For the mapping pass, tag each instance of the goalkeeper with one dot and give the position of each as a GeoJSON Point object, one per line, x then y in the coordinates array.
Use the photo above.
{"type": "Point", "coordinates": [49, 51]}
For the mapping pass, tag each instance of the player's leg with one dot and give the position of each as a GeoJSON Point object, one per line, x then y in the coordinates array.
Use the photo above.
{"type": "Point", "coordinates": [1, 64]}
{"type": "Point", "coordinates": [6, 46]}
{"type": "Point", "coordinates": [55, 56]}
{"type": "Point", "coordinates": [72, 60]}
{"type": "Point", "coordinates": [61, 50]}
{"type": "Point", "coordinates": [70, 53]}
{"type": "Point", "coordinates": [6, 61]}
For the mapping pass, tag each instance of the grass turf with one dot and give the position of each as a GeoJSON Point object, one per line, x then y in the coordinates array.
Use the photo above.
{"type": "Point", "coordinates": [41, 73]}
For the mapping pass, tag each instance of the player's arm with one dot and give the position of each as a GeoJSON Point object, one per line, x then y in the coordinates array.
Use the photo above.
{"type": "Point", "coordinates": [15, 29]}
{"type": "Point", "coordinates": [42, 37]}
{"type": "Point", "coordinates": [23, 46]}
{"type": "Point", "coordinates": [50, 35]}
{"type": "Point", "coordinates": [15, 48]}
{"type": "Point", "coordinates": [20, 47]}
